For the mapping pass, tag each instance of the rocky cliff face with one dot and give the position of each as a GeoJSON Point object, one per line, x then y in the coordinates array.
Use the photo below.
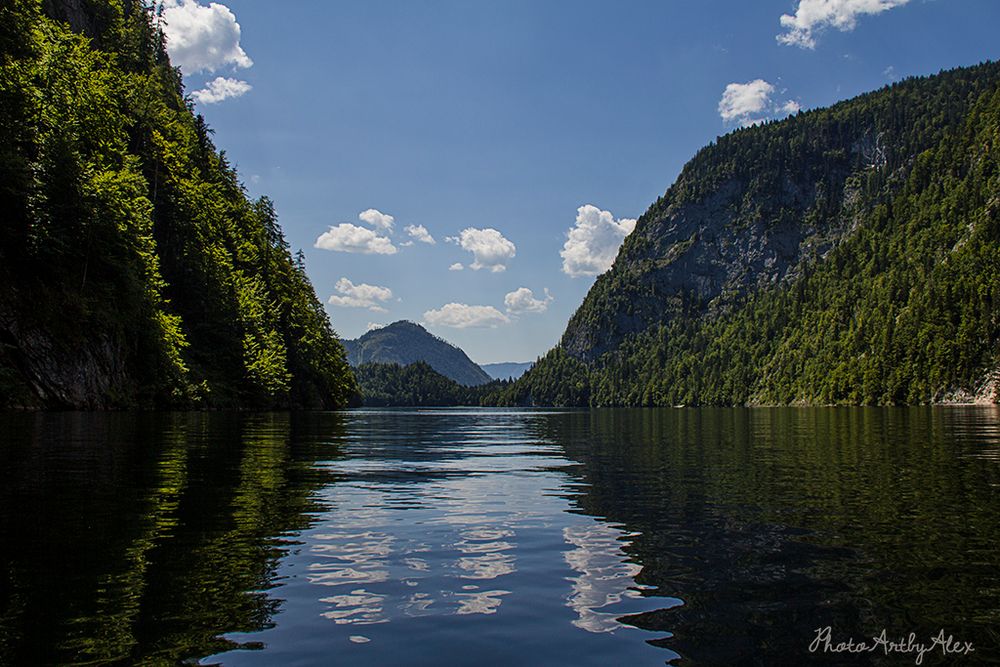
{"type": "Point", "coordinates": [87, 17]}
{"type": "Point", "coordinates": [843, 255]}
{"type": "Point", "coordinates": [53, 375]}
{"type": "Point", "coordinates": [748, 212]}
{"type": "Point", "coordinates": [136, 272]}
{"type": "Point", "coordinates": [697, 257]}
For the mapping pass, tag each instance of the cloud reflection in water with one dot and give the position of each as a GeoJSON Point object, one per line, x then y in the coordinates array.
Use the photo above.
{"type": "Point", "coordinates": [412, 538]}
{"type": "Point", "coordinates": [605, 579]}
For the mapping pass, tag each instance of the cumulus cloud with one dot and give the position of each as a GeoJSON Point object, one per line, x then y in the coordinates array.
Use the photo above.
{"type": "Point", "coordinates": [591, 245]}
{"type": "Point", "coordinates": [462, 316]}
{"type": "Point", "coordinates": [219, 89]}
{"type": "Point", "coordinates": [372, 326]}
{"type": "Point", "coordinates": [490, 250]}
{"type": "Point", "coordinates": [750, 102]}
{"type": "Point", "coordinates": [202, 38]}
{"type": "Point", "coordinates": [346, 237]}
{"type": "Point", "coordinates": [522, 300]}
{"type": "Point", "coordinates": [457, 266]}
{"type": "Point", "coordinates": [814, 16]}
{"type": "Point", "coordinates": [377, 219]}
{"type": "Point", "coordinates": [420, 233]}
{"type": "Point", "coordinates": [360, 296]}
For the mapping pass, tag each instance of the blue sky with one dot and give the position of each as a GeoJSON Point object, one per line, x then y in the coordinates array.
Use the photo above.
{"type": "Point", "coordinates": [530, 133]}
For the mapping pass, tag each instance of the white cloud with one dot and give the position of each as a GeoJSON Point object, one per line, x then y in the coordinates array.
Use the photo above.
{"type": "Point", "coordinates": [360, 296]}
{"type": "Point", "coordinates": [346, 237]}
{"type": "Point", "coordinates": [522, 300]}
{"type": "Point", "coordinates": [750, 102]}
{"type": "Point", "coordinates": [489, 248]}
{"type": "Point", "coordinates": [372, 326]}
{"type": "Point", "coordinates": [420, 233]}
{"type": "Point", "coordinates": [591, 245]}
{"type": "Point", "coordinates": [221, 88]}
{"type": "Point", "coordinates": [202, 39]}
{"type": "Point", "coordinates": [814, 16]}
{"type": "Point", "coordinates": [462, 316]}
{"type": "Point", "coordinates": [377, 219]}
{"type": "Point", "coordinates": [742, 100]}
{"type": "Point", "coordinates": [457, 266]}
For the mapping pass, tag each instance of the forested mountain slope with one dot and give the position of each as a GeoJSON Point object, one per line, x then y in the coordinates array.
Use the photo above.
{"type": "Point", "coordinates": [136, 271]}
{"type": "Point", "coordinates": [404, 343]}
{"type": "Point", "coordinates": [843, 255]}
{"type": "Point", "coordinates": [417, 385]}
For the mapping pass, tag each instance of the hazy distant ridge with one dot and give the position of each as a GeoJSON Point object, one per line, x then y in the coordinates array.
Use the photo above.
{"type": "Point", "coordinates": [510, 370]}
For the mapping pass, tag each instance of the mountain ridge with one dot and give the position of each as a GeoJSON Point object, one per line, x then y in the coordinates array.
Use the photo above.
{"type": "Point", "coordinates": [404, 343]}
{"type": "Point", "coordinates": [138, 273]}
{"type": "Point", "coordinates": [506, 370]}
{"type": "Point", "coordinates": [843, 255]}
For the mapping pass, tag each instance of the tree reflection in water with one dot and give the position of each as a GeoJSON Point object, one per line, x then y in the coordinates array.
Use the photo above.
{"type": "Point", "coordinates": [719, 536]}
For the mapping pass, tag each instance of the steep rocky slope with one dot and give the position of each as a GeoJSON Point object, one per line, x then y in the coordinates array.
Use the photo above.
{"type": "Point", "coordinates": [847, 254]}
{"type": "Point", "coordinates": [136, 271]}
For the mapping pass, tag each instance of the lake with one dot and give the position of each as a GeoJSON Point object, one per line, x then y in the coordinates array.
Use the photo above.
{"type": "Point", "coordinates": [493, 537]}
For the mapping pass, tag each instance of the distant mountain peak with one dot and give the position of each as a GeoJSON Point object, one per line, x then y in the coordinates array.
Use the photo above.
{"type": "Point", "coordinates": [507, 370]}
{"type": "Point", "coordinates": [405, 342]}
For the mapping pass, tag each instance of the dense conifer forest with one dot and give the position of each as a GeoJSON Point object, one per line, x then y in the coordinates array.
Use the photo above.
{"type": "Point", "coordinates": [417, 384]}
{"type": "Point", "coordinates": [878, 282]}
{"type": "Point", "coordinates": [405, 343]}
{"type": "Point", "coordinates": [136, 270]}
{"type": "Point", "coordinates": [847, 255]}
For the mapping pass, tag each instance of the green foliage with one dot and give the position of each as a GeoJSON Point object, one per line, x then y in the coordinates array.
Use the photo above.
{"type": "Point", "coordinates": [126, 228]}
{"type": "Point", "coordinates": [190, 534]}
{"type": "Point", "coordinates": [405, 342]}
{"type": "Point", "coordinates": [418, 384]}
{"type": "Point", "coordinates": [556, 379]}
{"type": "Point", "coordinates": [902, 306]}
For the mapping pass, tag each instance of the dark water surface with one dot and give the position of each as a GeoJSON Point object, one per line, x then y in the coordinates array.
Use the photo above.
{"type": "Point", "coordinates": [487, 537]}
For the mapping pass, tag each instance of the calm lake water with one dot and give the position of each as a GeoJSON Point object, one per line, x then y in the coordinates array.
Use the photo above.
{"type": "Point", "coordinates": [489, 537]}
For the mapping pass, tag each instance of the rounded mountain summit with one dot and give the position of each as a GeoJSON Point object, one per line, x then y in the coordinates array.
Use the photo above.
{"type": "Point", "coordinates": [405, 342]}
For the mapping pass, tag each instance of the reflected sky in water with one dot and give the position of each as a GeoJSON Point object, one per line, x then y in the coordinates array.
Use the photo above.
{"type": "Point", "coordinates": [454, 537]}
{"type": "Point", "coordinates": [459, 524]}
